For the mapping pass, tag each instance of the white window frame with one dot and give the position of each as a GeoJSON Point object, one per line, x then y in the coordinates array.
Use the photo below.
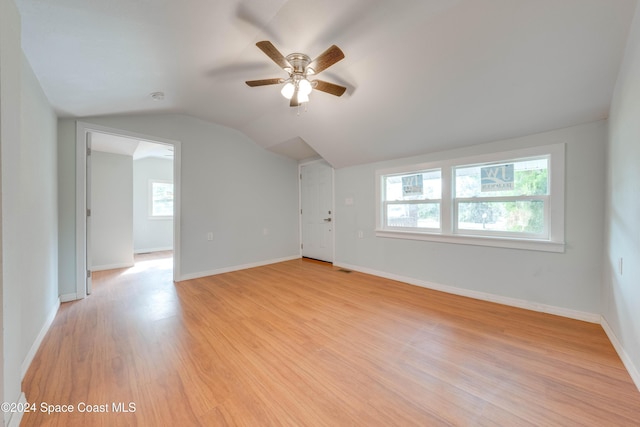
{"type": "Point", "coordinates": [553, 239]}
{"type": "Point", "coordinates": [150, 198]}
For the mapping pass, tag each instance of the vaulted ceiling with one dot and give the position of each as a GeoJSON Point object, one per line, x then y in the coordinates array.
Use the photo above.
{"type": "Point", "coordinates": [421, 75]}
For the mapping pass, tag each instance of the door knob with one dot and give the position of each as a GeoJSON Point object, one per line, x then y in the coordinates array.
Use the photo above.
{"type": "Point", "coordinates": [327, 220]}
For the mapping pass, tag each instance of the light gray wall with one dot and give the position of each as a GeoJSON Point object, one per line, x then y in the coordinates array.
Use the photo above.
{"type": "Point", "coordinates": [621, 292]}
{"type": "Point", "coordinates": [230, 187]}
{"type": "Point", "coordinates": [569, 280]}
{"type": "Point", "coordinates": [150, 234]}
{"type": "Point", "coordinates": [39, 218]}
{"type": "Point", "coordinates": [66, 209]}
{"type": "Point", "coordinates": [29, 206]}
{"type": "Point", "coordinates": [111, 211]}
{"type": "Point", "coordinates": [10, 142]}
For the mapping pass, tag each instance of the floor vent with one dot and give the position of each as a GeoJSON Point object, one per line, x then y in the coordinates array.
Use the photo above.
{"type": "Point", "coordinates": [344, 270]}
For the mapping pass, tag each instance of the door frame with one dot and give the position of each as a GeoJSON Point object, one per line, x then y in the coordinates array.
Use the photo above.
{"type": "Point", "coordinates": [333, 204]}
{"type": "Point", "coordinates": [82, 130]}
{"type": "Point", "coordinates": [88, 203]}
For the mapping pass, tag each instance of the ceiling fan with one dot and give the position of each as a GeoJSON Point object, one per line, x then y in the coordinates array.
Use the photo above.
{"type": "Point", "coordinates": [300, 67]}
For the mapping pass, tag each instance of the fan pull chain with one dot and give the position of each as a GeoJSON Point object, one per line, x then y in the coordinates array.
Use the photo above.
{"type": "Point", "coordinates": [298, 109]}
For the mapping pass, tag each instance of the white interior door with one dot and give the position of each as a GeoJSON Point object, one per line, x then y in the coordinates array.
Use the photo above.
{"type": "Point", "coordinates": [317, 211]}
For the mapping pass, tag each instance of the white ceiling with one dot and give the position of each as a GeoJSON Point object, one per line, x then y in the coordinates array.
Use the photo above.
{"type": "Point", "coordinates": [422, 75]}
{"type": "Point", "coordinates": [126, 146]}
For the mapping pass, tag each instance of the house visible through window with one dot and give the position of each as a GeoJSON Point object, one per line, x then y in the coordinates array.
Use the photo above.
{"type": "Point", "coordinates": [509, 199]}
{"type": "Point", "coordinates": [161, 199]}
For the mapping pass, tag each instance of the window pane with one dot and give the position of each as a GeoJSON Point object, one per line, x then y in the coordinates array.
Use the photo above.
{"type": "Point", "coordinates": [516, 178]}
{"type": "Point", "coordinates": [511, 216]}
{"type": "Point", "coordinates": [161, 199]}
{"type": "Point", "coordinates": [422, 215]}
{"type": "Point", "coordinates": [413, 186]}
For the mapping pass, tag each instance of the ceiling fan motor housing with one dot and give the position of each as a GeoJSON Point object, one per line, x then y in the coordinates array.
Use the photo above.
{"type": "Point", "coordinates": [299, 63]}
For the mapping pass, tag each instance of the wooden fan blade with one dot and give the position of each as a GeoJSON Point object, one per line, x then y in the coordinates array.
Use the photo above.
{"type": "Point", "coordinates": [263, 82]}
{"type": "Point", "coordinates": [326, 59]}
{"type": "Point", "coordinates": [327, 87]}
{"type": "Point", "coordinates": [294, 99]}
{"type": "Point", "coordinates": [273, 53]}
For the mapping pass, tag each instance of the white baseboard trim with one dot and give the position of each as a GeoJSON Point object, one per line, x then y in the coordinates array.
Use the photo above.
{"type": "Point", "coordinates": [16, 417]}
{"type": "Point", "coordinates": [36, 344]}
{"type": "Point", "coordinates": [191, 276]}
{"type": "Point", "coordinates": [626, 360]}
{"type": "Point", "coordinates": [144, 251]}
{"type": "Point", "coordinates": [68, 297]}
{"type": "Point", "coordinates": [514, 302]}
{"type": "Point", "coordinates": [111, 266]}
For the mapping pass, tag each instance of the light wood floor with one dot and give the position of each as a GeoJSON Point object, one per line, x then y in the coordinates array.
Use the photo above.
{"type": "Point", "coordinates": [301, 343]}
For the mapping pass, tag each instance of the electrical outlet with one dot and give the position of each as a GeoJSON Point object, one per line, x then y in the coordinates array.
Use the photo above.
{"type": "Point", "coordinates": [360, 234]}
{"type": "Point", "coordinates": [210, 235]}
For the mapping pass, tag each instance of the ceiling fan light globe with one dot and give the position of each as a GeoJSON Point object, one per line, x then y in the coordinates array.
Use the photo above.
{"type": "Point", "coordinates": [287, 90]}
{"type": "Point", "coordinates": [304, 86]}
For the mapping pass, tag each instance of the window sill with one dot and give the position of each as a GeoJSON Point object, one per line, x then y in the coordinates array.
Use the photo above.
{"type": "Point", "coordinates": [497, 242]}
{"type": "Point", "coordinates": [160, 218]}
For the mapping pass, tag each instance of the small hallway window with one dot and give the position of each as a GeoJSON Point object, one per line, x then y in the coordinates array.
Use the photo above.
{"type": "Point", "coordinates": [160, 199]}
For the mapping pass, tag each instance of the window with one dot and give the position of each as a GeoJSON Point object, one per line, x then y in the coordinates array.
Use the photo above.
{"type": "Point", "coordinates": [504, 199]}
{"type": "Point", "coordinates": [510, 199]}
{"type": "Point", "coordinates": [413, 200]}
{"type": "Point", "coordinates": [160, 199]}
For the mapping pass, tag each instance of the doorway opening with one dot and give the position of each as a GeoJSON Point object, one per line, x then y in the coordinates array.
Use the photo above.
{"type": "Point", "coordinates": [127, 201]}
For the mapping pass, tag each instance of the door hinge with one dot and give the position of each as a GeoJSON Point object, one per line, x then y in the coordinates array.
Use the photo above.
{"type": "Point", "coordinates": [88, 151]}
{"type": "Point", "coordinates": [301, 245]}
{"type": "Point", "coordinates": [300, 176]}
{"type": "Point", "coordinates": [88, 274]}
{"type": "Point", "coordinates": [300, 211]}
{"type": "Point", "coordinates": [88, 212]}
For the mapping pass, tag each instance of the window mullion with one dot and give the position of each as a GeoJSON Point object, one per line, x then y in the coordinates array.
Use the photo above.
{"type": "Point", "coordinates": [412, 202]}
{"type": "Point", "coordinates": [500, 199]}
{"type": "Point", "coordinates": [446, 211]}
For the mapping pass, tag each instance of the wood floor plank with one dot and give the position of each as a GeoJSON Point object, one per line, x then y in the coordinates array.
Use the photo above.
{"type": "Point", "coordinates": [302, 343]}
